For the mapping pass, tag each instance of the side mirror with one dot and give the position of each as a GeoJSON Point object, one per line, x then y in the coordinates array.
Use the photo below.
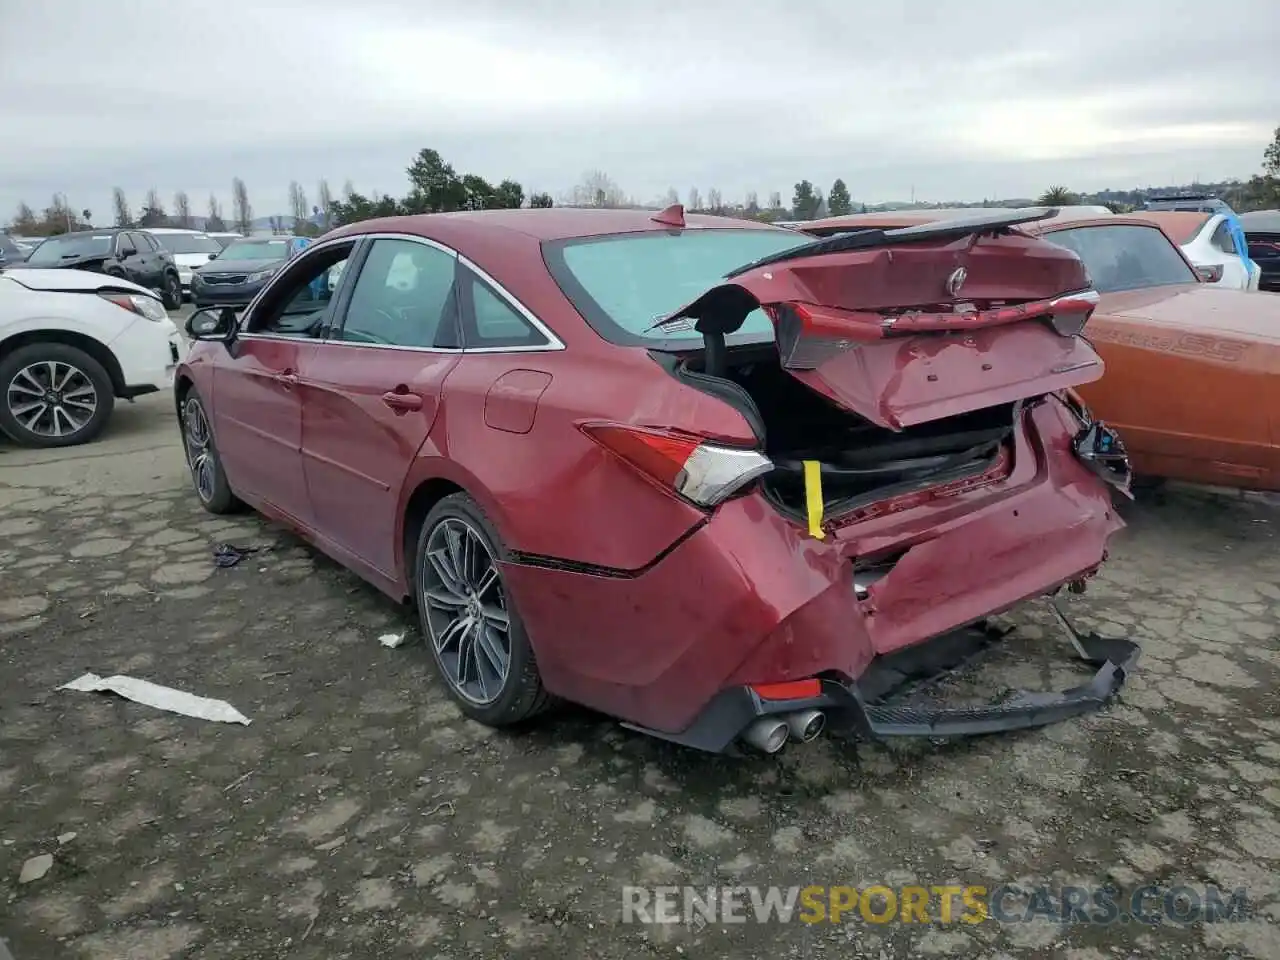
{"type": "Point", "coordinates": [213, 256]}
{"type": "Point", "coordinates": [126, 251]}
{"type": "Point", "coordinates": [1210, 274]}
{"type": "Point", "coordinates": [212, 323]}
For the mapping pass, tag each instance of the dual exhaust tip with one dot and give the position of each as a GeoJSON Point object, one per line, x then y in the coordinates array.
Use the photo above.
{"type": "Point", "coordinates": [770, 734]}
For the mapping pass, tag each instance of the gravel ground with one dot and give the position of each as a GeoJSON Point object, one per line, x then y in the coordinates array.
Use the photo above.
{"type": "Point", "coordinates": [360, 816]}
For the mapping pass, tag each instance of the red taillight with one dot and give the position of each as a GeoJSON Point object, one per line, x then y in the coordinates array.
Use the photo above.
{"type": "Point", "coordinates": [660, 455]}
{"type": "Point", "coordinates": [682, 463]}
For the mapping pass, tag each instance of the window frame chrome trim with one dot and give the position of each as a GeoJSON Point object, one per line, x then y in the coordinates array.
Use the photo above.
{"type": "Point", "coordinates": [553, 344]}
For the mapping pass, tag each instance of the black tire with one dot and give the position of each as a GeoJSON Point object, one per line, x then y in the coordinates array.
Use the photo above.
{"type": "Point", "coordinates": [171, 292]}
{"type": "Point", "coordinates": [520, 695]}
{"type": "Point", "coordinates": [88, 373]}
{"type": "Point", "coordinates": [208, 478]}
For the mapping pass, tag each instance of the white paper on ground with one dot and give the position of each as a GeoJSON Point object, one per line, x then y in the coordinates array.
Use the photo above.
{"type": "Point", "coordinates": [162, 698]}
{"type": "Point", "coordinates": [392, 639]}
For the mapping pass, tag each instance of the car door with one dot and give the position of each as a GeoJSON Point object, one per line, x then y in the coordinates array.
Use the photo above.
{"type": "Point", "coordinates": [127, 258]}
{"type": "Point", "coordinates": [373, 390]}
{"type": "Point", "coordinates": [257, 405]}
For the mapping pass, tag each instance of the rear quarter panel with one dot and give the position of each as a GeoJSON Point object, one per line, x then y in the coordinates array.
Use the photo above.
{"type": "Point", "coordinates": [552, 491]}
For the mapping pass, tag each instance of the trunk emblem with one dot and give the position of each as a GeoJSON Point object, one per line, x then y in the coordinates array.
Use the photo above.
{"type": "Point", "coordinates": [956, 281]}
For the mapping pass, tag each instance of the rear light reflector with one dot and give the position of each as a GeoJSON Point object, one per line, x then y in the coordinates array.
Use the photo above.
{"type": "Point", "coordinates": [788, 690]}
{"type": "Point", "coordinates": [702, 472]}
{"type": "Point", "coordinates": [1210, 273]}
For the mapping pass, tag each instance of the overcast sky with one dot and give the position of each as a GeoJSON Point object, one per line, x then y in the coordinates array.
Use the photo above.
{"type": "Point", "coordinates": [990, 98]}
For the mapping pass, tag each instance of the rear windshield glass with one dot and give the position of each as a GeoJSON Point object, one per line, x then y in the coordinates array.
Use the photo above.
{"type": "Point", "coordinates": [186, 242]}
{"type": "Point", "coordinates": [56, 249]}
{"type": "Point", "coordinates": [1125, 257]}
{"type": "Point", "coordinates": [256, 250]}
{"type": "Point", "coordinates": [623, 284]}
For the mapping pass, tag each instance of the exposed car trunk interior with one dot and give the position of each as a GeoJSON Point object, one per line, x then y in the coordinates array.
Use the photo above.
{"type": "Point", "coordinates": [861, 462]}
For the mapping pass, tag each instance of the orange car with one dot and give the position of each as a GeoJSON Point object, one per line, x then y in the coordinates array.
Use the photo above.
{"type": "Point", "coordinates": [1193, 371]}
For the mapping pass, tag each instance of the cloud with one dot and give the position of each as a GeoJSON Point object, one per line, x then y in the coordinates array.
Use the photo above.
{"type": "Point", "coordinates": [987, 99]}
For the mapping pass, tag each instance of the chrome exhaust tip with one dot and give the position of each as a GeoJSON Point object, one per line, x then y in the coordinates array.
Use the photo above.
{"type": "Point", "coordinates": [768, 734]}
{"type": "Point", "coordinates": [806, 725]}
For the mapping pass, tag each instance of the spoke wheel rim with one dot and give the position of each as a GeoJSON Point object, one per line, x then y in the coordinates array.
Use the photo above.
{"type": "Point", "coordinates": [465, 608]}
{"type": "Point", "coordinates": [52, 398]}
{"type": "Point", "coordinates": [197, 440]}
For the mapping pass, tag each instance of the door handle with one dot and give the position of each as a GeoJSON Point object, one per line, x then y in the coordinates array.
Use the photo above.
{"type": "Point", "coordinates": [288, 379]}
{"type": "Point", "coordinates": [402, 402]}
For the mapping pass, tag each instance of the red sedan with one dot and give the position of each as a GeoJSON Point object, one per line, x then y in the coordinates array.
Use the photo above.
{"type": "Point", "coordinates": [712, 521]}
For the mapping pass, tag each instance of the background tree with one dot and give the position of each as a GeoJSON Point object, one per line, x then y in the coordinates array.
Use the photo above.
{"type": "Point", "coordinates": [1271, 156]}
{"type": "Point", "coordinates": [434, 186]}
{"type": "Point", "coordinates": [59, 218]}
{"type": "Point", "coordinates": [694, 203]}
{"type": "Point", "coordinates": [671, 198]}
{"type": "Point", "coordinates": [324, 200]}
{"type": "Point", "coordinates": [182, 209]}
{"type": "Point", "coordinates": [804, 202]}
{"type": "Point", "coordinates": [241, 210]}
{"type": "Point", "coordinates": [839, 203]}
{"type": "Point", "coordinates": [153, 214]}
{"type": "Point", "coordinates": [298, 205]}
{"type": "Point", "coordinates": [715, 202]}
{"type": "Point", "coordinates": [509, 195]}
{"type": "Point", "coordinates": [541, 201]}
{"type": "Point", "coordinates": [820, 208]}
{"type": "Point", "coordinates": [25, 222]}
{"type": "Point", "coordinates": [276, 224]}
{"type": "Point", "coordinates": [752, 207]}
{"type": "Point", "coordinates": [479, 193]}
{"type": "Point", "coordinates": [596, 189]}
{"type": "Point", "coordinates": [214, 220]}
{"type": "Point", "coordinates": [775, 202]}
{"type": "Point", "coordinates": [355, 207]}
{"type": "Point", "coordinates": [1058, 197]}
{"type": "Point", "coordinates": [124, 216]}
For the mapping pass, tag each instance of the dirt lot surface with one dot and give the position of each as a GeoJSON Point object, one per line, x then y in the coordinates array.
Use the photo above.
{"type": "Point", "coordinates": [359, 816]}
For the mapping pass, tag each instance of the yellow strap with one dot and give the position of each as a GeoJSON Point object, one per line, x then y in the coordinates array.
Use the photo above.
{"type": "Point", "coordinates": [813, 497]}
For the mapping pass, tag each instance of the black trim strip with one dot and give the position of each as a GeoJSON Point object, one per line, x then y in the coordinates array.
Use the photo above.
{"type": "Point", "coordinates": [545, 562]}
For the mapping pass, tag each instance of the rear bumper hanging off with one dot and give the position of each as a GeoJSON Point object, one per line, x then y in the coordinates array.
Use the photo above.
{"type": "Point", "coordinates": [860, 706]}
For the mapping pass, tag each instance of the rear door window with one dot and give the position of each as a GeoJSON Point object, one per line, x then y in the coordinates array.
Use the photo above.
{"type": "Point", "coordinates": [1222, 239]}
{"type": "Point", "coordinates": [1125, 256]}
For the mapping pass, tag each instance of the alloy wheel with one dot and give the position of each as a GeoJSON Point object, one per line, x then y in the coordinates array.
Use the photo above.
{"type": "Point", "coordinates": [52, 398]}
{"type": "Point", "coordinates": [466, 611]}
{"type": "Point", "coordinates": [200, 457]}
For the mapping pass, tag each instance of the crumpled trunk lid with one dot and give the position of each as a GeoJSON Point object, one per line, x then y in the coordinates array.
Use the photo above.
{"type": "Point", "coordinates": [912, 325]}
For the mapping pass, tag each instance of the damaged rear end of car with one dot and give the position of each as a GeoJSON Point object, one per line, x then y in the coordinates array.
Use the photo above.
{"type": "Point", "coordinates": [921, 464]}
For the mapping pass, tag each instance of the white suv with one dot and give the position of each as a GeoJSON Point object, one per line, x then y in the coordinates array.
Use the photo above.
{"type": "Point", "coordinates": [71, 342]}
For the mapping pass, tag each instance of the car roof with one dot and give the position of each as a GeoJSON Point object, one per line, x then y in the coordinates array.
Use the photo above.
{"type": "Point", "coordinates": [1261, 221]}
{"type": "Point", "coordinates": [1182, 225]}
{"type": "Point", "coordinates": [171, 230]}
{"type": "Point", "coordinates": [554, 223]}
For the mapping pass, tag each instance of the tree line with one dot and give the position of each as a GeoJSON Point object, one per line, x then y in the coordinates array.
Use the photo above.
{"type": "Point", "coordinates": [435, 186]}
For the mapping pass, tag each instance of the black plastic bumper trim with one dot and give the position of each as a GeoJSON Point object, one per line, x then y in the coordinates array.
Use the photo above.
{"type": "Point", "coordinates": [731, 711]}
